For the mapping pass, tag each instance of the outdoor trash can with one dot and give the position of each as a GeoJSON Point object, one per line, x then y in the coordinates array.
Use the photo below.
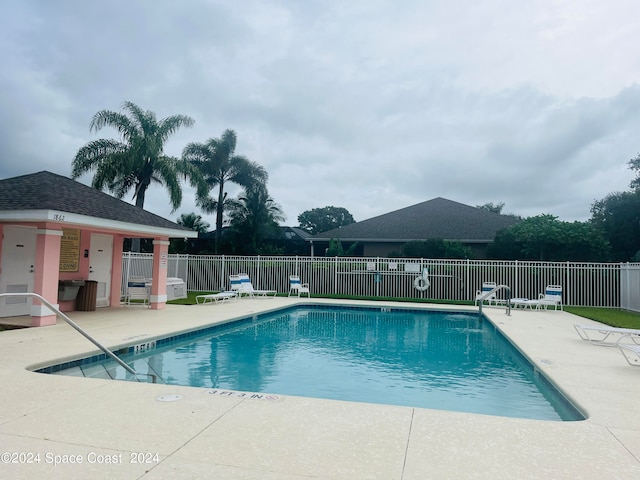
{"type": "Point", "coordinates": [86, 300]}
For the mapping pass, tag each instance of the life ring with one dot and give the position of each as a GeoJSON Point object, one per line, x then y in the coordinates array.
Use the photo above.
{"type": "Point", "coordinates": [421, 283]}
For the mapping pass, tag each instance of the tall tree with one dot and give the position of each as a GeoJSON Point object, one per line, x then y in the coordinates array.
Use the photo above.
{"type": "Point", "coordinates": [254, 217]}
{"type": "Point", "coordinates": [618, 217]}
{"type": "Point", "coordinates": [194, 222]}
{"type": "Point", "coordinates": [217, 161]}
{"type": "Point", "coordinates": [634, 164]}
{"type": "Point", "coordinates": [545, 238]}
{"type": "Point", "coordinates": [324, 219]}
{"type": "Point", "coordinates": [138, 159]}
{"type": "Point", "coordinates": [491, 207]}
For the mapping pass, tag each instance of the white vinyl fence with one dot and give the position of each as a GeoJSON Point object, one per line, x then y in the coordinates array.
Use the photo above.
{"type": "Point", "coordinates": [584, 284]}
{"type": "Point", "coordinates": [630, 286]}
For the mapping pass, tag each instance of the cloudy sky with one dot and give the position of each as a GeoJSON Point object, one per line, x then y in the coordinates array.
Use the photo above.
{"type": "Point", "coordinates": [370, 105]}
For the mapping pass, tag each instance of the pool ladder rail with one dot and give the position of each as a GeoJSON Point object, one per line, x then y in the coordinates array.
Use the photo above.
{"type": "Point", "coordinates": [77, 327]}
{"type": "Point", "coordinates": [492, 292]}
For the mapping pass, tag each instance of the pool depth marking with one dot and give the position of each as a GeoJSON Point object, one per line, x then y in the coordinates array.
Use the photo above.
{"type": "Point", "coordinates": [143, 347]}
{"type": "Point", "coordinates": [251, 395]}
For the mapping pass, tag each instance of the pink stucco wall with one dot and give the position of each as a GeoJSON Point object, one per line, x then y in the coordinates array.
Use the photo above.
{"type": "Point", "coordinates": [47, 267]}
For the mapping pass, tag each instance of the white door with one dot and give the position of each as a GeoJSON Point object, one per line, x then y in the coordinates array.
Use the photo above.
{"type": "Point", "coordinates": [100, 258]}
{"type": "Point", "coordinates": [18, 266]}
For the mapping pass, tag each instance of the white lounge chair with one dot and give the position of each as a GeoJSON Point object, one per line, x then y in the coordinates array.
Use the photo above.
{"type": "Point", "coordinates": [631, 353]}
{"type": "Point", "coordinates": [296, 287]}
{"type": "Point", "coordinates": [605, 335]}
{"type": "Point", "coordinates": [242, 284]}
{"type": "Point", "coordinates": [215, 297]}
{"type": "Point", "coordinates": [483, 294]}
{"type": "Point", "coordinates": [522, 302]}
{"type": "Point", "coordinates": [552, 296]}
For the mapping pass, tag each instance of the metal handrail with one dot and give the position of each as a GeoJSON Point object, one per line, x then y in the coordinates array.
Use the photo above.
{"type": "Point", "coordinates": [494, 290]}
{"type": "Point", "coordinates": [74, 325]}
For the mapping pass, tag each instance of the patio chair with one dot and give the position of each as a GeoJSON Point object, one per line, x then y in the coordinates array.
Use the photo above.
{"type": "Point", "coordinates": [216, 297]}
{"type": "Point", "coordinates": [139, 295]}
{"type": "Point", "coordinates": [631, 353]}
{"type": "Point", "coordinates": [296, 287]}
{"type": "Point", "coordinates": [241, 283]}
{"type": "Point", "coordinates": [552, 296]}
{"type": "Point", "coordinates": [605, 335]}
{"type": "Point", "coordinates": [483, 294]}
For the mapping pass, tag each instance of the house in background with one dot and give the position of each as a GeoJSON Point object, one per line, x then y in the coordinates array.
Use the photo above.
{"type": "Point", "coordinates": [438, 218]}
{"type": "Point", "coordinates": [56, 229]}
{"type": "Point", "coordinates": [286, 240]}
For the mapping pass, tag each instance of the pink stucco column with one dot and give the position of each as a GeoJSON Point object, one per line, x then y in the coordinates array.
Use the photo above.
{"type": "Point", "coordinates": [46, 274]}
{"type": "Point", "coordinates": [159, 282]}
{"type": "Point", "coordinates": [116, 272]}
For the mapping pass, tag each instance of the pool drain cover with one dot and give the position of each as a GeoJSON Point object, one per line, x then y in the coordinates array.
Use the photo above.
{"type": "Point", "coordinates": [168, 398]}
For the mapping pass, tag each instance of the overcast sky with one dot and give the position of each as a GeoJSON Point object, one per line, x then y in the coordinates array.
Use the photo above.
{"type": "Point", "coordinates": [370, 105]}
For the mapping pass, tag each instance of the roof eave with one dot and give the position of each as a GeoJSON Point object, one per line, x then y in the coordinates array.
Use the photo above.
{"type": "Point", "coordinates": [66, 218]}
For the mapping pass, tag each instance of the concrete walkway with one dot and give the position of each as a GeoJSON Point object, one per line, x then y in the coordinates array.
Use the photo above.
{"type": "Point", "coordinates": [54, 426]}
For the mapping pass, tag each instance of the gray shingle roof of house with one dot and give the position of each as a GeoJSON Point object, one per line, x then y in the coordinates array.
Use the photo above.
{"type": "Point", "coordinates": [49, 191]}
{"type": "Point", "coordinates": [437, 218]}
{"type": "Point", "coordinates": [289, 233]}
{"type": "Point", "coordinates": [285, 233]}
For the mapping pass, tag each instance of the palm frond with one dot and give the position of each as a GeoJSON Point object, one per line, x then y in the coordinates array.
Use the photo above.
{"type": "Point", "coordinates": [168, 126]}
{"type": "Point", "coordinates": [167, 171]}
{"type": "Point", "coordinates": [109, 175]}
{"type": "Point", "coordinates": [116, 120]}
{"type": "Point", "coordinates": [246, 173]}
{"type": "Point", "coordinates": [95, 153]}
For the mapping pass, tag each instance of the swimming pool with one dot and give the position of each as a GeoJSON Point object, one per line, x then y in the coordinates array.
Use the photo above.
{"type": "Point", "coordinates": [412, 357]}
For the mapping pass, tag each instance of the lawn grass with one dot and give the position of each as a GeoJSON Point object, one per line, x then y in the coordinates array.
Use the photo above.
{"type": "Point", "coordinates": [608, 316]}
{"type": "Point", "coordinates": [191, 299]}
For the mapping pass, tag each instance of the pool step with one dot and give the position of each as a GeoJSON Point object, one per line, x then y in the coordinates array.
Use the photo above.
{"type": "Point", "coordinates": [113, 371]}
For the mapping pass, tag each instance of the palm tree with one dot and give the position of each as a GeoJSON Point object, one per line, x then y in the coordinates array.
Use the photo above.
{"type": "Point", "coordinates": [193, 222]}
{"type": "Point", "coordinates": [218, 163]}
{"type": "Point", "coordinates": [254, 217]}
{"type": "Point", "coordinates": [138, 159]}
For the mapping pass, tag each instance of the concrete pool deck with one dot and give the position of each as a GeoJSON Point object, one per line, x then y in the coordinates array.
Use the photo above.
{"type": "Point", "coordinates": [103, 429]}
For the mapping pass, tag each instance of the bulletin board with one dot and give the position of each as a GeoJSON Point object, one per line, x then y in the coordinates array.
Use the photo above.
{"type": "Point", "coordinates": [70, 250]}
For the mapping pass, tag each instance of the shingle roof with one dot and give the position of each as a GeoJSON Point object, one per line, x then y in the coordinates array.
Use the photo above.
{"type": "Point", "coordinates": [293, 233]}
{"type": "Point", "coordinates": [285, 233]}
{"type": "Point", "coordinates": [49, 191]}
{"type": "Point", "coordinates": [436, 218]}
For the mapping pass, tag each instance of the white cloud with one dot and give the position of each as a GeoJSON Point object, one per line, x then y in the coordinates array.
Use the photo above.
{"type": "Point", "coordinates": [369, 105]}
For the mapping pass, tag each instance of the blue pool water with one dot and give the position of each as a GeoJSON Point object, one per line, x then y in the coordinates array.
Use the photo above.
{"type": "Point", "coordinates": [419, 358]}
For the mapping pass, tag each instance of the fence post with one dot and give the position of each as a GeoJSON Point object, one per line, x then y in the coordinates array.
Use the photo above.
{"type": "Point", "coordinates": [125, 284]}
{"type": "Point", "coordinates": [567, 285]}
{"type": "Point", "coordinates": [259, 273]}
{"type": "Point", "coordinates": [467, 276]}
{"type": "Point", "coordinates": [224, 274]}
{"type": "Point", "coordinates": [186, 271]}
{"type": "Point", "coordinates": [516, 280]}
